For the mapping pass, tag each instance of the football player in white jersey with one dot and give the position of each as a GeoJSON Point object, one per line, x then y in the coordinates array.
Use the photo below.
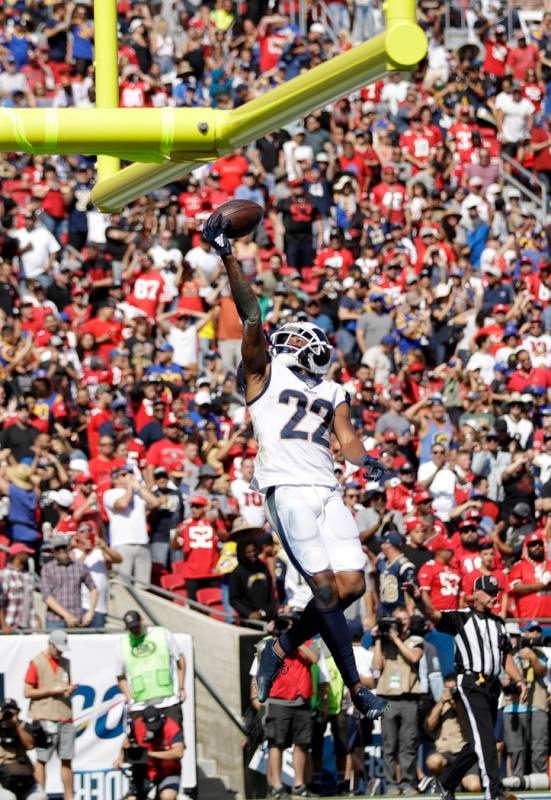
{"type": "Point", "coordinates": [294, 411]}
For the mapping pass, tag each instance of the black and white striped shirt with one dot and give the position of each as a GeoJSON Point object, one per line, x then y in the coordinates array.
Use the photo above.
{"type": "Point", "coordinates": [481, 641]}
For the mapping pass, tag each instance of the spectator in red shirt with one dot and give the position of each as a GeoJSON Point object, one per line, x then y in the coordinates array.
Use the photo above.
{"type": "Point", "coordinates": [530, 580]}
{"type": "Point", "coordinates": [401, 490]}
{"type": "Point", "coordinates": [99, 414]}
{"type": "Point", "coordinates": [149, 291]}
{"type": "Point", "coordinates": [487, 567]}
{"type": "Point", "coordinates": [106, 330]}
{"type": "Point", "coordinates": [466, 547]}
{"type": "Point", "coordinates": [540, 149]}
{"type": "Point", "coordinates": [198, 541]}
{"type": "Point", "coordinates": [169, 452]}
{"type": "Point", "coordinates": [526, 375]}
{"type": "Point", "coordinates": [438, 581]}
{"type": "Point", "coordinates": [524, 56]}
{"type": "Point", "coordinates": [497, 51]}
{"type": "Point", "coordinates": [102, 465]}
{"type": "Point", "coordinates": [231, 169]}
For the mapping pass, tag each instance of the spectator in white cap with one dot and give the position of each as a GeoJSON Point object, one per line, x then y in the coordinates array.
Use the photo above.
{"type": "Point", "coordinates": [126, 505]}
{"type": "Point", "coordinates": [49, 687]}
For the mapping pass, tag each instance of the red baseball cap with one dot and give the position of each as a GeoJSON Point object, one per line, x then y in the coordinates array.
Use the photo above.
{"type": "Point", "coordinates": [440, 543]}
{"type": "Point", "coordinates": [199, 500]}
{"type": "Point", "coordinates": [500, 307]}
{"type": "Point", "coordinates": [534, 537]}
{"type": "Point", "coordinates": [390, 436]}
{"type": "Point", "coordinates": [417, 366]}
{"type": "Point", "coordinates": [422, 497]}
{"type": "Point", "coordinates": [83, 478]}
{"type": "Point", "coordinates": [19, 547]}
{"type": "Point", "coordinates": [412, 523]}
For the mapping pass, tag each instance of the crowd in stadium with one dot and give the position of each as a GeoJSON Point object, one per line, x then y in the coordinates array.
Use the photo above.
{"type": "Point", "coordinates": [389, 221]}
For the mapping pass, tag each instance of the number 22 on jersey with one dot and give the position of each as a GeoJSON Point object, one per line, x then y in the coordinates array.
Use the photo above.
{"type": "Point", "coordinates": [303, 407]}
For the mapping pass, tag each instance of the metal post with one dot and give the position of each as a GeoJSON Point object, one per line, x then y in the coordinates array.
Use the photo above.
{"type": "Point", "coordinates": [107, 71]}
{"type": "Point", "coordinates": [400, 47]}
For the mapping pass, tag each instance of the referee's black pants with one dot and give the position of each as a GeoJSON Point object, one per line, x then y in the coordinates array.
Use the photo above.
{"type": "Point", "coordinates": [480, 699]}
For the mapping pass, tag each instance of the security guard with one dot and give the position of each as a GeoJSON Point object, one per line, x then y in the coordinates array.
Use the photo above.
{"type": "Point", "coordinates": [151, 669]}
{"type": "Point", "coordinates": [482, 649]}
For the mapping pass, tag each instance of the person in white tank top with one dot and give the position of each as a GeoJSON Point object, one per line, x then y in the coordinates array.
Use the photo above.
{"type": "Point", "coordinates": [295, 410]}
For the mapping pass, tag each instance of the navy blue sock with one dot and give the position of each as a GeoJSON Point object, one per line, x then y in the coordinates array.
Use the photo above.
{"type": "Point", "coordinates": [306, 627]}
{"type": "Point", "coordinates": [333, 627]}
{"type": "Point", "coordinates": [335, 634]}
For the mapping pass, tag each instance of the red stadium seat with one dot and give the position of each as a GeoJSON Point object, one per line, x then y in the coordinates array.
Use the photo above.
{"type": "Point", "coordinates": [172, 582]}
{"type": "Point", "coordinates": [211, 596]}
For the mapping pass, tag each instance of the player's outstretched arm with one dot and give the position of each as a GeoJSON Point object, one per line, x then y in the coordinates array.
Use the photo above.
{"type": "Point", "coordinates": [253, 348]}
{"type": "Point", "coordinates": [352, 447]}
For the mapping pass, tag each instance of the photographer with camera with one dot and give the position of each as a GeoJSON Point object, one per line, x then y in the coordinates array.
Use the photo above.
{"type": "Point", "coordinates": [444, 723]}
{"type": "Point", "coordinates": [153, 750]}
{"type": "Point", "coordinates": [17, 780]}
{"type": "Point", "coordinates": [525, 724]}
{"type": "Point", "coordinates": [397, 656]}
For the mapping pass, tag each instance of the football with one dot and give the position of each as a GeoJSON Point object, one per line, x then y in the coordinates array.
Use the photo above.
{"type": "Point", "coordinates": [240, 216]}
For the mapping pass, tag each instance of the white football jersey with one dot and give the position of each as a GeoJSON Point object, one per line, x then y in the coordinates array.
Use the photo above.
{"type": "Point", "coordinates": [250, 502]}
{"type": "Point", "coordinates": [293, 420]}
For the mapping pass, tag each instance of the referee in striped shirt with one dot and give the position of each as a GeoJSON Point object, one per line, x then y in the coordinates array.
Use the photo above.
{"type": "Point", "coordinates": [482, 649]}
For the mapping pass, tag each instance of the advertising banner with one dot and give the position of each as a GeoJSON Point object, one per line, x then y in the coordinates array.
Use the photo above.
{"type": "Point", "coordinates": [98, 709]}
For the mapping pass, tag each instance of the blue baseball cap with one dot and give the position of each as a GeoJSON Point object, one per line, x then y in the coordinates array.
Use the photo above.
{"type": "Point", "coordinates": [166, 348]}
{"type": "Point", "coordinates": [394, 538]}
{"type": "Point", "coordinates": [374, 296]}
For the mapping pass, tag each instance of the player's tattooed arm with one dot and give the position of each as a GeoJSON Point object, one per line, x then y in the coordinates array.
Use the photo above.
{"type": "Point", "coordinates": [253, 348]}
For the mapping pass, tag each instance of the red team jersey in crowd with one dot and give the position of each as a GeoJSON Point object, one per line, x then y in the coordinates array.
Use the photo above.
{"type": "Point", "coordinates": [96, 419]}
{"type": "Point", "coordinates": [167, 454]}
{"type": "Point", "coordinates": [535, 604]}
{"type": "Point", "coordinates": [418, 145]}
{"type": "Point", "coordinates": [468, 579]}
{"type": "Point", "coordinates": [462, 134]}
{"type": "Point", "coordinates": [200, 546]}
{"type": "Point", "coordinates": [390, 200]}
{"type": "Point", "coordinates": [148, 292]}
{"type": "Point", "coordinates": [442, 581]}
{"type": "Point", "coordinates": [496, 58]}
{"type": "Point", "coordinates": [372, 93]}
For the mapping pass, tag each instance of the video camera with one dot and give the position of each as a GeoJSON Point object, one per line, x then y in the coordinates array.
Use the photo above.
{"type": "Point", "coordinates": [9, 737]}
{"type": "Point", "coordinates": [386, 624]}
{"type": "Point", "coordinates": [8, 716]}
{"type": "Point", "coordinates": [137, 756]}
{"type": "Point", "coordinates": [530, 641]}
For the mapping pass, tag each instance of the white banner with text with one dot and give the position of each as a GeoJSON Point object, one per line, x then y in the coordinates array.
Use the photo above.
{"type": "Point", "coordinates": [98, 709]}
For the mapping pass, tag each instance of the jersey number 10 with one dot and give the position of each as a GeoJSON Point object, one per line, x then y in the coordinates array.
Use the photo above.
{"type": "Point", "coordinates": [323, 408]}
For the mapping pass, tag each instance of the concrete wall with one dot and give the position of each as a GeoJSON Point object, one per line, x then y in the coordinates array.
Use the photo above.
{"type": "Point", "coordinates": [217, 649]}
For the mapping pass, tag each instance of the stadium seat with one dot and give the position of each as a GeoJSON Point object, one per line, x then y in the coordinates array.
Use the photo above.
{"type": "Point", "coordinates": [211, 596]}
{"type": "Point", "coordinates": [172, 582]}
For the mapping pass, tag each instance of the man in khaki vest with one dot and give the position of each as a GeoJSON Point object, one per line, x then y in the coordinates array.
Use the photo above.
{"type": "Point", "coordinates": [525, 724]}
{"type": "Point", "coordinates": [444, 721]}
{"type": "Point", "coordinates": [48, 686]}
{"type": "Point", "coordinates": [397, 655]}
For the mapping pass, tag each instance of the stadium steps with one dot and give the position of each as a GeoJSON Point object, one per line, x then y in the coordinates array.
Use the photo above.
{"type": "Point", "coordinates": [210, 785]}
